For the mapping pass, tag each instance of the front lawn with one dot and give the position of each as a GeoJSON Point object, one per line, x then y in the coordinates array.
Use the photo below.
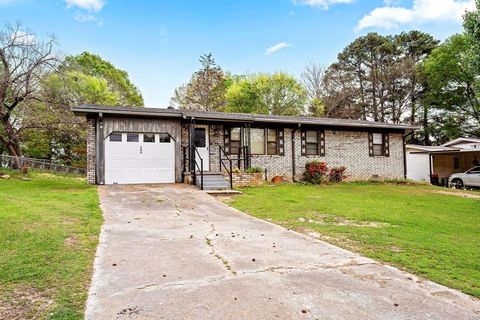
{"type": "Point", "coordinates": [417, 228]}
{"type": "Point", "coordinates": [49, 229]}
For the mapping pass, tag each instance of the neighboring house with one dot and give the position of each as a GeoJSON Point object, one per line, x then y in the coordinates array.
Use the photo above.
{"type": "Point", "coordinates": [148, 145]}
{"type": "Point", "coordinates": [455, 156]}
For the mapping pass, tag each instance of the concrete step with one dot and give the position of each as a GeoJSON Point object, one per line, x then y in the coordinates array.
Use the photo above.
{"type": "Point", "coordinates": [213, 181]}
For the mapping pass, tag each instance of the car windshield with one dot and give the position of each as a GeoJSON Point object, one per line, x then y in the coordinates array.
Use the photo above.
{"type": "Point", "coordinates": [474, 170]}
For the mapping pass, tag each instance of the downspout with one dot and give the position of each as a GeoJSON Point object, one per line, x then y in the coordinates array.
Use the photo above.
{"type": "Point", "coordinates": [293, 152]}
{"type": "Point", "coordinates": [404, 137]}
{"type": "Point", "coordinates": [100, 152]}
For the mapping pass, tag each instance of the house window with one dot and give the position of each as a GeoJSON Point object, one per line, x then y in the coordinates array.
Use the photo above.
{"type": "Point", "coordinates": [378, 149]}
{"type": "Point", "coordinates": [272, 141]}
{"type": "Point", "coordinates": [132, 137]}
{"type": "Point", "coordinates": [200, 138]}
{"type": "Point", "coordinates": [456, 163]}
{"type": "Point", "coordinates": [311, 143]}
{"type": "Point", "coordinates": [257, 141]}
{"type": "Point", "coordinates": [235, 140]}
{"type": "Point", "coordinates": [148, 137]}
{"type": "Point", "coordinates": [116, 137]}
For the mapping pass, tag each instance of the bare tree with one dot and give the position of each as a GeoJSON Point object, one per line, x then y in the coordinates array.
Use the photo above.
{"type": "Point", "coordinates": [25, 62]}
{"type": "Point", "coordinates": [312, 79]}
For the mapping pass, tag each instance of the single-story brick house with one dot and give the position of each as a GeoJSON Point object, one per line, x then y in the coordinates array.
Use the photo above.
{"type": "Point", "coordinates": [151, 145]}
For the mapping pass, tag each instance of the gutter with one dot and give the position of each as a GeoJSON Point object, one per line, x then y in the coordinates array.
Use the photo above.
{"type": "Point", "coordinates": [293, 152]}
{"type": "Point", "coordinates": [404, 137]}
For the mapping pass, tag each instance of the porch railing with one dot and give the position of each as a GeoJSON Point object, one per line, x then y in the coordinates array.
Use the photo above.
{"type": "Point", "coordinates": [198, 166]}
{"type": "Point", "coordinates": [243, 158]}
{"type": "Point", "coordinates": [221, 153]}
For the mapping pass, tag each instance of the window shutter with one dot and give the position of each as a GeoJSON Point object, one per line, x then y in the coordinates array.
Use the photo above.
{"type": "Point", "coordinates": [370, 144]}
{"type": "Point", "coordinates": [226, 139]}
{"type": "Point", "coordinates": [386, 145]}
{"type": "Point", "coordinates": [281, 142]}
{"type": "Point", "coordinates": [321, 143]}
{"type": "Point", "coordinates": [304, 142]}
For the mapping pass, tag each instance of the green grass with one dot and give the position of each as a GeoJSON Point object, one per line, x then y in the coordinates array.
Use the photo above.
{"type": "Point", "coordinates": [433, 235]}
{"type": "Point", "coordinates": [49, 229]}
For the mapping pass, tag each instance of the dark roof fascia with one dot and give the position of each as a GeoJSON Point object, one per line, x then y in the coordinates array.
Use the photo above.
{"type": "Point", "coordinates": [127, 111]}
{"type": "Point", "coordinates": [439, 152]}
{"type": "Point", "coordinates": [239, 118]}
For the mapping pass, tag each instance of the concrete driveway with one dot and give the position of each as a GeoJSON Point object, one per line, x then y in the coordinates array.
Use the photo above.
{"type": "Point", "coordinates": [174, 252]}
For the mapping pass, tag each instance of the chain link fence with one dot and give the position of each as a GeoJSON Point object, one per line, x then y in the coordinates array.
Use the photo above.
{"type": "Point", "coordinates": [18, 163]}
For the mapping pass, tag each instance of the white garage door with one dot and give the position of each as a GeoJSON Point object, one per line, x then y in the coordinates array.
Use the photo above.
{"type": "Point", "coordinates": [139, 158]}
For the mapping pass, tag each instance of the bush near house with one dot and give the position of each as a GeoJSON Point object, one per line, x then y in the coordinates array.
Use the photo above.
{"type": "Point", "coordinates": [317, 172]}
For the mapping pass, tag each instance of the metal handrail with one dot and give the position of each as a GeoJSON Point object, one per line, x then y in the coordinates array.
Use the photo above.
{"type": "Point", "coordinates": [229, 171]}
{"type": "Point", "coordinates": [199, 168]}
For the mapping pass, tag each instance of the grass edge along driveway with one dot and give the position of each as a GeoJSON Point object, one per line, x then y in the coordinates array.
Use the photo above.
{"type": "Point", "coordinates": [415, 228]}
{"type": "Point", "coordinates": [49, 229]}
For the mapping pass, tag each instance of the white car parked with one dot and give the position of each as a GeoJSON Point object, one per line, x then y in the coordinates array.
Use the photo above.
{"type": "Point", "coordinates": [470, 178]}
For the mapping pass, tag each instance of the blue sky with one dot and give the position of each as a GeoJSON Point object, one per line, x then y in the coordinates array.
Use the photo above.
{"type": "Point", "coordinates": [158, 42]}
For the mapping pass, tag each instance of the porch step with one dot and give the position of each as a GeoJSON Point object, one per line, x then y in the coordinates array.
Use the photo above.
{"type": "Point", "coordinates": [213, 181]}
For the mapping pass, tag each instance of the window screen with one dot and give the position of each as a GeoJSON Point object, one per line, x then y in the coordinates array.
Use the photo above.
{"type": "Point", "coordinates": [116, 137]}
{"type": "Point", "coordinates": [132, 137]}
{"type": "Point", "coordinates": [257, 140]}
{"type": "Point", "coordinates": [235, 138]}
{"type": "Point", "coordinates": [272, 139]}
{"type": "Point", "coordinates": [378, 144]}
{"type": "Point", "coordinates": [311, 142]}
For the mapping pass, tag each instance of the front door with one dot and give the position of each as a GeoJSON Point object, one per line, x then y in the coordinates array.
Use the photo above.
{"type": "Point", "coordinates": [201, 142]}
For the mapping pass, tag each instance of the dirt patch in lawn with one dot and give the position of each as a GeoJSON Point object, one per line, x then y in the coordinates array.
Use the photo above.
{"type": "Point", "coordinates": [458, 194]}
{"type": "Point", "coordinates": [24, 303]}
{"type": "Point", "coordinates": [328, 219]}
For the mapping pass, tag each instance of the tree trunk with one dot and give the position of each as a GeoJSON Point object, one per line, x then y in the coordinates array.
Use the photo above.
{"type": "Point", "coordinates": [11, 142]}
{"type": "Point", "coordinates": [426, 139]}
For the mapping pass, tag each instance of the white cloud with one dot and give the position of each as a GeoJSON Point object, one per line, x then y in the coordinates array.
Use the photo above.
{"type": "Point", "coordinates": [277, 47]}
{"type": "Point", "coordinates": [21, 37]}
{"type": "Point", "coordinates": [324, 4]}
{"type": "Point", "coordinates": [389, 17]}
{"type": "Point", "coordinates": [90, 5]}
{"type": "Point", "coordinates": [85, 17]}
{"type": "Point", "coordinates": [80, 17]}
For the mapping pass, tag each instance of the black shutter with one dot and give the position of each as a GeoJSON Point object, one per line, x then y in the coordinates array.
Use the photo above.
{"type": "Point", "coordinates": [386, 145]}
{"type": "Point", "coordinates": [226, 139]}
{"type": "Point", "coordinates": [304, 142]}
{"type": "Point", "coordinates": [281, 142]}
{"type": "Point", "coordinates": [321, 142]}
{"type": "Point", "coordinates": [370, 144]}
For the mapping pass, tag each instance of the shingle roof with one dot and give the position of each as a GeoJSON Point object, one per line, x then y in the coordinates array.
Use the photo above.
{"type": "Point", "coordinates": [242, 117]}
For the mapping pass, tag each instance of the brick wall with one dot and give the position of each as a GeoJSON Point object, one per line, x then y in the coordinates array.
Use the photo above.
{"type": "Point", "coordinates": [243, 179]}
{"type": "Point", "coordinates": [343, 148]}
{"type": "Point", "coordinates": [91, 150]}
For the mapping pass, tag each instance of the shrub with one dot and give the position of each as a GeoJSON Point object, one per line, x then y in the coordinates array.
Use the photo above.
{"type": "Point", "coordinates": [254, 170]}
{"type": "Point", "coordinates": [337, 174]}
{"type": "Point", "coordinates": [315, 172]}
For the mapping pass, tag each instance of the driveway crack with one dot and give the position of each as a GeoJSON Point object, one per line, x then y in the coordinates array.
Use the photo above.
{"type": "Point", "coordinates": [213, 252]}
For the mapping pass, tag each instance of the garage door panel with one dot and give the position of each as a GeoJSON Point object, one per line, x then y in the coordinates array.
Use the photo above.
{"type": "Point", "coordinates": [139, 162]}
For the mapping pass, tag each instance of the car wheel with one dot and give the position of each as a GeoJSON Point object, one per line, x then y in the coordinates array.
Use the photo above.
{"type": "Point", "coordinates": [457, 184]}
